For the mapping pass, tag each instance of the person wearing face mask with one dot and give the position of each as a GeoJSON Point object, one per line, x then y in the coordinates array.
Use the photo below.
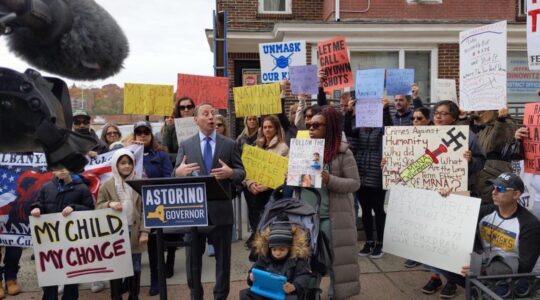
{"type": "Point", "coordinates": [81, 125]}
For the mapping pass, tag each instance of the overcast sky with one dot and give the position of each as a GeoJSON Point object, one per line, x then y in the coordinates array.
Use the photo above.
{"type": "Point", "coordinates": [165, 37]}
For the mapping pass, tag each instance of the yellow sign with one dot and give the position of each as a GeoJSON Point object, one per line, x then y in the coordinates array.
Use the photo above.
{"type": "Point", "coordinates": [148, 99]}
{"type": "Point", "coordinates": [302, 135]}
{"type": "Point", "coordinates": [264, 167]}
{"type": "Point", "coordinates": [257, 100]}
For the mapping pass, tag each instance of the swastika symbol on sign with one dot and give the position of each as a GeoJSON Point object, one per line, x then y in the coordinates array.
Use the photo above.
{"type": "Point", "coordinates": [454, 139]}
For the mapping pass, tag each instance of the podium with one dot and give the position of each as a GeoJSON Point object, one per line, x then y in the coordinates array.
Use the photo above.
{"type": "Point", "coordinates": [214, 191]}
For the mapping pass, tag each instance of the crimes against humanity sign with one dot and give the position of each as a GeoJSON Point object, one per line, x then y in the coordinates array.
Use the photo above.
{"type": "Point", "coordinates": [175, 205]}
{"type": "Point", "coordinates": [86, 246]}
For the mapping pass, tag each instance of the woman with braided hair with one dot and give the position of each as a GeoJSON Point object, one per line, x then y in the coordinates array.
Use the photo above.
{"type": "Point", "coordinates": [337, 220]}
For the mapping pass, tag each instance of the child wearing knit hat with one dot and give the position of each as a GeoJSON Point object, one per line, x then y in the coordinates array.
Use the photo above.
{"type": "Point", "coordinates": [284, 250]}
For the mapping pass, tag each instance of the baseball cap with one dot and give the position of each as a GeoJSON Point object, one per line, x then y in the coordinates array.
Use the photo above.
{"type": "Point", "coordinates": [81, 113]}
{"type": "Point", "coordinates": [141, 124]}
{"type": "Point", "coordinates": [508, 180]}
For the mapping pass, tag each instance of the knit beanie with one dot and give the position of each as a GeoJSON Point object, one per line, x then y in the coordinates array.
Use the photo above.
{"type": "Point", "coordinates": [280, 235]}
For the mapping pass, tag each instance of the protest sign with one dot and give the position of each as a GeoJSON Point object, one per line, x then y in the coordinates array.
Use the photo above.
{"type": "Point", "coordinates": [23, 175]}
{"type": "Point", "coordinates": [185, 127]}
{"type": "Point", "coordinates": [264, 167]}
{"type": "Point", "coordinates": [204, 89]}
{"type": "Point", "coordinates": [482, 67]}
{"type": "Point", "coordinates": [304, 79]}
{"type": "Point", "coordinates": [306, 161]}
{"type": "Point", "coordinates": [445, 89]}
{"type": "Point", "coordinates": [86, 246]}
{"type": "Point", "coordinates": [521, 81]}
{"type": "Point", "coordinates": [426, 157]}
{"type": "Point", "coordinates": [531, 144]}
{"type": "Point", "coordinates": [334, 61]}
{"type": "Point", "coordinates": [369, 113]}
{"type": "Point", "coordinates": [423, 226]}
{"type": "Point", "coordinates": [399, 81]}
{"type": "Point", "coordinates": [302, 134]}
{"type": "Point", "coordinates": [533, 34]}
{"type": "Point", "coordinates": [148, 99]}
{"type": "Point", "coordinates": [256, 100]}
{"type": "Point", "coordinates": [370, 84]}
{"type": "Point", "coordinates": [277, 57]}
{"type": "Point", "coordinates": [175, 205]}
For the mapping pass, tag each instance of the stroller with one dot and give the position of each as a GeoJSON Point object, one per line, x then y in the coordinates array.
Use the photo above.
{"type": "Point", "coordinates": [300, 213]}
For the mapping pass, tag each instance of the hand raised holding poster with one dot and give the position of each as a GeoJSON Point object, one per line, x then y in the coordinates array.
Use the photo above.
{"type": "Point", "coordinates": [334, 62]}
{"type": "Point", "coordinates": [304, 79]}
{"type": "Point", "coordinates": [399, 81]}
{"type": "Point", "coordinates": [370, 84]}
{"type": "Point", "coordinates": [204, 89]}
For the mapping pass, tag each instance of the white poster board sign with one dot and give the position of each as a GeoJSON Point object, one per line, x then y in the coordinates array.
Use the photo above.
{"type": "Point", "coordinates": [277, 57]}
{"type": "Point", "coordinates": [185, 127]}
{"type": "Point", "coordinates": [86, 246]}
{"type": "Point", "coordinates": [482, 67]}
{"type": "Point", "coordinates": [306, 161]}
{"type": "Point", "coordinates": [424, 226]}
{"type": "Point", "coordinates": [533, 34]}
{"type": "Point", "coordinates": [445, 89]}
{"type": "Point", "coordinates": [426, 157]}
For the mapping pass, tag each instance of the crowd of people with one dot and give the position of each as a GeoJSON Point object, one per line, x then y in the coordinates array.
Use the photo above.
{"type": "Point", "coordinates": [351, 180]}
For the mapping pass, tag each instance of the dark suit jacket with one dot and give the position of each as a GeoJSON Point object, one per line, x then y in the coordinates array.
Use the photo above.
{"type": "Point", "coordinates": [219, 212]}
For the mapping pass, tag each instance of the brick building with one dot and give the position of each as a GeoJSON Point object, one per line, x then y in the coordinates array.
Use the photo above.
{"type": "Point", "coordinates": [419, 34]}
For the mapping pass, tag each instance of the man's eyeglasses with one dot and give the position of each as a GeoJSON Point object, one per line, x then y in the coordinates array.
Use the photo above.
{"type": "Point", "coordinates": [112, 133]}
{"type": "Point", "coordinates": [441, 113]}
{"type": "Point", "coordinates": [502, 189]}
{"type": "Point", "coordinates": [314, 125]}
{"type": "Point", "coordinates": [79, 122]}
{"type": "Point", "coordinates": [185, 107]}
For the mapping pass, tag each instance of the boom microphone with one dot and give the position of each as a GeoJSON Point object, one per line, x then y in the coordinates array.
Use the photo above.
{"type": "Point", "coordinates": [76, 39]}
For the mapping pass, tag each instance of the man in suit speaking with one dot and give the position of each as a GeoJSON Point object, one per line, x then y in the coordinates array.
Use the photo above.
{"type": "Point", "coordinates": [209, 153]}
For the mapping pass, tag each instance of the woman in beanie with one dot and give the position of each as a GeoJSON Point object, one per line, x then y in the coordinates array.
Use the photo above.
{"type": "Point", "coordinates": [284, 250]}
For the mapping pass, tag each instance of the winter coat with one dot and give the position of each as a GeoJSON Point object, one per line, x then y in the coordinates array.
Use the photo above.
{"type": "Point", "coordinates": [169, 138]}
{"type": "Point", "coordinates": [295, 267]}
{"type": "Point", "coordinates": [107, 194]}
{"type": "Point", "coordinates": [343, 182]}
{"type": "Point", "coordinates": [157, 164]}
{"type": "Point", "coordinates": [54, 196]}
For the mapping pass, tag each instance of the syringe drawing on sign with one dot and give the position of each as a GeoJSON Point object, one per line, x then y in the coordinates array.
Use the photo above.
{"type": "Point", "coordinates": [422, 163]}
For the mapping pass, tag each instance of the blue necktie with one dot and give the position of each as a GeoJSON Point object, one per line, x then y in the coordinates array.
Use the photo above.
{"type": "Point", "coordinates": [207, 155]}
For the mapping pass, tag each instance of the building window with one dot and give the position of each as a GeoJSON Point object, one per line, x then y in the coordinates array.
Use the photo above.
{"type": "Point", "coordinates": [275, 6]}
{"type": "Point", "coordinates": [522, 84]}
{"type": "Point", "coordinates": [419, 60]}
{"type": "Point", "coordinates": [522, 8]}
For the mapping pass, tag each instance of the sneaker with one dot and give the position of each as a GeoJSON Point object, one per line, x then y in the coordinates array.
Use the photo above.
{"type": "Point", "coordinates": [12, 287]}
{"type": "Point", "coordinates": [432, 286]}
{"type": "Point", "coordinates": [97, 286]}
{"type": "Point", "coordinates": [368, 247]}
{"type": "Point", "coordinates": [377, 251]}
{"type": "Point", "coordinates": [449, 290]}
{"type": "Point", "coordinates": [409, 263]}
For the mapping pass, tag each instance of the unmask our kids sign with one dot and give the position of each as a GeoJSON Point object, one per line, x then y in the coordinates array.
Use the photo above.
{"type": "Point", "coordinates": [86, 246]}
{"type": "Point", "coordinates": [277, 57]}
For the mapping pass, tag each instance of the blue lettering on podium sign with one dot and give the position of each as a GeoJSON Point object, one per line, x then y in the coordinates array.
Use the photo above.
{"type": "Point", "coordinates": [175, 205]}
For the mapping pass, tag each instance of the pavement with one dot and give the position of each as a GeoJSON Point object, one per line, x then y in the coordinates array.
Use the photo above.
{"type": "Point", "coordinates": [383, 278]}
